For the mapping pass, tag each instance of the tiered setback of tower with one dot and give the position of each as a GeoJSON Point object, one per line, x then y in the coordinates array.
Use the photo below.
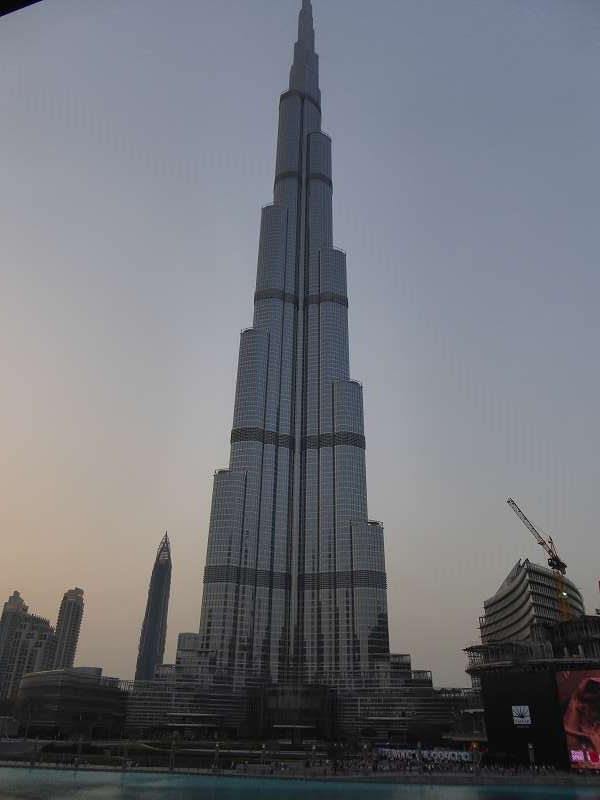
{"type": "Point", "coordinates": [294, 585]}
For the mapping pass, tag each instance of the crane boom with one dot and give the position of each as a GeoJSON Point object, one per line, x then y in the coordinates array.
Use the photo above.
{"type": "Point", "coordinates": [540, 539]}
{"type": "Point", "coordinates": [554, 559]}
{"type": "Point", "coordinates": [558, 566]}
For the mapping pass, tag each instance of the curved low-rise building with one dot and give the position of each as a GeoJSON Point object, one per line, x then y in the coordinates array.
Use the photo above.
{"type": "Point", "coordinates": [527, 597]}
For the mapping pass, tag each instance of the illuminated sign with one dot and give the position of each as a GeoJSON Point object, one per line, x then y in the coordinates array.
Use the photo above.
{"type": "Point", "coordinates": [521, 716]}
{"type": "Point", "coordinates": [579, 698]}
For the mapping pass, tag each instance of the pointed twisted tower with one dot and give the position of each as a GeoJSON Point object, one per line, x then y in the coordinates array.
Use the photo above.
{"type": "Point", "coordinates": [154, 627]}
{"type": "Point", "coordinates": [294, 583]}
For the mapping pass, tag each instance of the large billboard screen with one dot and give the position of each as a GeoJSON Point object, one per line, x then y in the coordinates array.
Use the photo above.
{"type": "Point", "coordinates": [579, 697]}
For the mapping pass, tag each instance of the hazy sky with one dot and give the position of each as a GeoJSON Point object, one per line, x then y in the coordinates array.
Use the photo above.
{"type": "Point", "coordinates": [138, 143]}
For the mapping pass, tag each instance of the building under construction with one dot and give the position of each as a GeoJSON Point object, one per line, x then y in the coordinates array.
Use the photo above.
{"type": "Point", "coordinates": [538, 666]}
{"type": "Point", "coordinates": [541, 695]}
{"type": "Point", "coordinates": [527, 597]}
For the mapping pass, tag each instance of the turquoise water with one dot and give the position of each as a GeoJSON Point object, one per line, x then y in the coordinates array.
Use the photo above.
{"type": "Point", "coordinates": [23, 784]}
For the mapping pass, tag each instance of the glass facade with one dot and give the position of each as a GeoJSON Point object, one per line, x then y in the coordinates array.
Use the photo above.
{"type": "Point", "coordinates": [294, 584]}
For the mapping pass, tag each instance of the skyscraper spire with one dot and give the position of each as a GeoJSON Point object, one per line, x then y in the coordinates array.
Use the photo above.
{"type": "Point", "coordinates": [306, 32]}
{"type": "Point", "coordinates": [164, 549]}
{"type": "Point", "coordinates": [304, 75]}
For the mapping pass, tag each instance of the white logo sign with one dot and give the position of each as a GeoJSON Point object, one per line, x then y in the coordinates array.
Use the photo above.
{"type": "Point", "coordinates": [521, 715]}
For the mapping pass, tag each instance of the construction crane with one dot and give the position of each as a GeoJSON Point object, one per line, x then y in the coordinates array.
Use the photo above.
{"type": "Point", "coordinates": [555, 562]}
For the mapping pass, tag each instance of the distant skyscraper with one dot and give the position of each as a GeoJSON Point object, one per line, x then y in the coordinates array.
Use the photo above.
{"type": "Point", "coordinates": [33, 649]}
{"type": "Point", "coordinates": [295, 583]}
{"type": "Point", "coordinates": [154, 627]}
{"type": "Point", "coordinates": [528, 597]}
{"type": "Point", "coordinates": [14, 612]}
{"type": "Point", "coordinates": [27, 644]}
{"type": "Point", "coordinates": [67, 628]}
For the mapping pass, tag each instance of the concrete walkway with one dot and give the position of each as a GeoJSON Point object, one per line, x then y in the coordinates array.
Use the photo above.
{"type": "Point", "coordinates": [481, 778]}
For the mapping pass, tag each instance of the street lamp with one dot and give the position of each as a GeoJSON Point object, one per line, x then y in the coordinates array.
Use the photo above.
{"type": "Point", "coordinates": [34, 752]}
{"type": "Point", "coordinates": [79, 742]}
{"type": "Point", "coordinates": [125, 746]}
{"type": "Point", "coordinates": [172, 754]}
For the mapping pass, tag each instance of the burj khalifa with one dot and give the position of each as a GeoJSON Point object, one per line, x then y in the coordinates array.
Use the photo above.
{"type": "Point", "coordinates": [295, 582]}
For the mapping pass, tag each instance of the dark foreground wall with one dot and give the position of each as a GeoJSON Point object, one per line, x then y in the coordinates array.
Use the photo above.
{"type": "Point", "coordinates": [70, 703]}
{"type": "Point", "coordinates": [522, 708]}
